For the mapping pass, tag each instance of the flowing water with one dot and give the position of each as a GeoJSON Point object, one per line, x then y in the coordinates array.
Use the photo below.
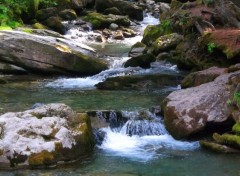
{"type": "Point", "coordinates": [140, 145]}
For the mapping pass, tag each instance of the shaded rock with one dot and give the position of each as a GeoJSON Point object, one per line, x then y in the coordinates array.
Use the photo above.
{"type": "Point", "coordinates": [100, 21]}
{"type": "Point", "coordinates": [47, 55]}
{"type": "Point", "coordinates": [2, 81]}
{"type": "Point", "coordinates": [218, 147]}
{"type": "Point", "coordinates": [112, 10]}
{"type": "Point", "coordinates": [229, 45]}
{"type": "Point", "coordinates": [55, 23]}
{"type": "Point", "coordinates": [236, 128]}
{"type": "Point", "coordinates": [166, 42]}
{"type": "Point", "coordinates": [202, 77]}
{"type": "Point", "coordinates": [118, 35]}
{"type": "Point", "coordinates": [44, 14]}
{"type": "Point", "coordinates": [234, 68]}
{"type": "Point", "coordinates": [125, 7]}
{"type": "Point", "coordinates": [140, 82]}
{"type": "Point", "coordinates": [143, 61]}
{"type": "Point", "coordinates": [68, 14]}
{"type": "Point", "coordinates": [44, 136]}
{"type": "Point", "coordinates": [137, 49]}
{"type": "Point", "coordinates": [11, 69]}
{"type": "Point", "coordinates": [100, 38]}
{"type": "Point", "coordinates": [189, 111]}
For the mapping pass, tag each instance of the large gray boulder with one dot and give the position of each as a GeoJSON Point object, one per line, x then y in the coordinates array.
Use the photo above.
{"type": "Point", "coordinates": [44, 136]}
{"type": "Point", "coordinates": [190, 111]}
{"type": "Point", "coordinates": [47, 55]}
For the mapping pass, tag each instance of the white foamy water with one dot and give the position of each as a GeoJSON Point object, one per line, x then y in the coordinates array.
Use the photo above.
{"type": "Point", "coordinates": [142, 148]}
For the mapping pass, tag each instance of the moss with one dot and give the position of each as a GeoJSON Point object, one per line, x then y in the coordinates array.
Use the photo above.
{"type": "Point", "coordinates": [27, 30]}
{"type": "Point", "coordinates": [37, 115]}
{"type": "Point", "coordinates": [236, 128]}
{"type": "Point", "coordinates": [228, 139]}
{"type": "Point", "coordinates": [5, 28]}
{"type": "Point", "coordinates": [217, 147]}
{"type": "Point", "coordinates": [41, 159]}
{"type": "Point", "coordinates": [97, 20]}
{"type": "Point", "coordinates": [39, 26]}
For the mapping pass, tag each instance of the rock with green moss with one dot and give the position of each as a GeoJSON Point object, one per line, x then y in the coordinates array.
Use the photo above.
{"type": "Point", "coordinates": [215, 147]}
{"type": "Point", "coordinates": [152, 32]}
{"type": "Point", "coordinates": [59, 135]}
{"type": "Point", "coordinates": [143, 61]}
{"type": "Point", "coordinates": [55, 23]}
{"type": "Point", "coordinates": [236, 128]}
{"type": "Point", "coordinates": [48, 55]}
{"type": "Point", "coordinates": [140, 82]}
{"type": "Point", "coordinates": [228, 139]}
{"type": "Point", "coordinates": [39, 26]}
{"type": "Point", "coordinates": [100, 21]}
{"type": "Point", "coordinates": [166, 43]}
{"type": "Point", "coordinates": [2, 81]}
{"type": "Point", "coordinates": [44, 14]}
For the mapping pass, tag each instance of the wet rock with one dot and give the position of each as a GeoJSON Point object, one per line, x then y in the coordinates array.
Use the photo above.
{"type": "Point", "coordinates": [234, 68]}
{"type": "Point", "coordinates": [139, 82]}
{"type": "Point", "coordinates": [143, 61]}
{"type": "Point", "coordinates": [68, 14]}
{"type": "Point", "coordinates": [44, 136]}
{"type": "Point", "coordinates": [2, 81]}
{"type": "Point", "coordinates": [189, 111]}
{"type": "Point", "coordinates": [100, 21]}
{"type": "Point", "coordinates": [55, 23]}
{"type": "Point", "coordinates": [107, 33]}
{"type": "Point", "coordinates": [202, 77]}
{"type": "Point", "coordinates": [137, 49]}
{"type": "Point", "coordinates": [47, 55]}
{"type": "Point", "coordinates": [113, 26]}
{"type": "Point", "coordinates": [215, 147]}
{"type": "Point", "coordinates": [100, 39]}
{"type": "Point", "coordinates": [166, 43]}
{"type": "Point", "coordinates": [128, 32]}
{"type": "Point", "coordinates": [118, 35]}
{"type": "Point", "coordinates": [228, 139]}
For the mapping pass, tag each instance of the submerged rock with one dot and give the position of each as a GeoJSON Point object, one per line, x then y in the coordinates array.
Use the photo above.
{"type": "Point", "coordinates": [190, 111]}
{"type": "Point", "coordinates": [47, 55]}
{"type": "Point", "coordinates": [140, 82]}
{"type": "Point", "coordinates": [44, 136]}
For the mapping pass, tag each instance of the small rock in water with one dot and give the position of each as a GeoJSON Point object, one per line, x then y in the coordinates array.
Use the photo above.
{"type": "Point", "coordinates": [113, 26]}
{"type": "Point", "coordinates": [118, 35]}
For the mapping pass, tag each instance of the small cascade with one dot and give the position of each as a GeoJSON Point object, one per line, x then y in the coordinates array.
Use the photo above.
{"type": "Point", "coordinates": [142, 139]}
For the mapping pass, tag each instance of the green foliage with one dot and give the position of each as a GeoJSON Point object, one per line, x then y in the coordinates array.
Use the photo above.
{"type": "Point", "coordinates": [166, 25]}
{"type": "Point", "coordinates": [211, 47]}
{"type": "Point", "coordinates": [11, 10]}
{"type": "Point", "coordinates": [236, 98]}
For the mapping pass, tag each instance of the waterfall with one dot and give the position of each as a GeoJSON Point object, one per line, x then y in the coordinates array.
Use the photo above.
{"type": "Point", "coordinates": [142, 139]}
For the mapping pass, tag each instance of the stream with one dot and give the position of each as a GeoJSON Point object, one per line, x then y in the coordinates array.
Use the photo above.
{"type": "Point", "coordinates": [137, 147]}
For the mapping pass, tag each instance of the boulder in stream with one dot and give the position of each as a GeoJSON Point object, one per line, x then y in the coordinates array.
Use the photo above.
{"type": "Point", "coordinates": [47, 55]}
{"type": "Point", "coordinates": [44, 136]}
{"type": "Point", "coordinates": [190, 111]}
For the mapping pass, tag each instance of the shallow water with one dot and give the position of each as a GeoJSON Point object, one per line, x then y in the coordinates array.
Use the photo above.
{"type": "Point", "coordinates": [145, 154]}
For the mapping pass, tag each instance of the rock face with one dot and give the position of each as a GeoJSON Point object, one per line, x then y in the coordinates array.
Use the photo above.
{"type": "Point", "coordinates": [46, 55]}
{"type": "Point", "coordinates": [201, 77]}
{"type": "Point", "coordinates": [44, 136]}
{"type": "Point", "coordinates": [189, 111]}
{"type": "Point", "coordinates": [143, 61]}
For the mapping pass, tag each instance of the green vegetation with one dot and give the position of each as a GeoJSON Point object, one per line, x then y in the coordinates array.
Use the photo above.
{"type": "Point", "coordinates": [211, 47]}
{"type": "Point", "coordinates": [236, 98]}
{"type": "Point", "coordinates": [14, 12]}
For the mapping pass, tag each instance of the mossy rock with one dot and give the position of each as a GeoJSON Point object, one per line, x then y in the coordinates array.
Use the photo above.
{"type": "Point", "coordinates": [5, 28]}
{"type": "Point", "coordinates": [236, 128]}
{"type": "Point", "coordinates": [227, 139]}
{"type": "Point", "coordinates": [68, 14]}
{"type": "Point", "coordinates": [217, 147]}
{"type": "Point", "coordinates": [44, 14]}
{"type": "Point", "coordinates": [55, 23]}
{"type": "Point", "coordinates": [100, 21]}
{"type": "Point", "coordinates": [39, 26]}
{"type": "Point", "coordinates": [43, 158]}
{"type": "Point", "coordinates": [152, 32]}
